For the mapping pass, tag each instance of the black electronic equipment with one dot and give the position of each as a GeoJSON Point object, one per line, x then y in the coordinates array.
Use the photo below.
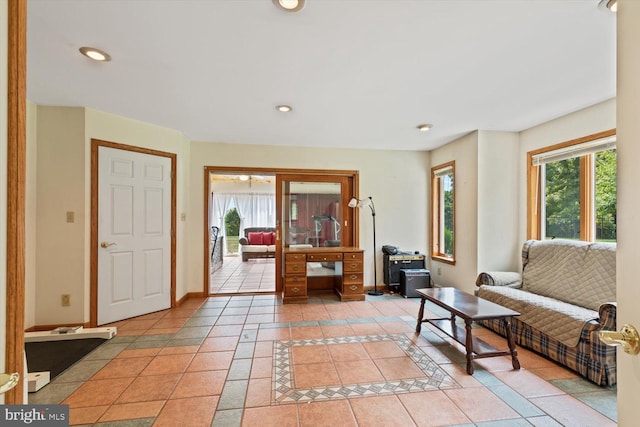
{"type": "Point", "coordinates": [413, 279]}
{"type": "Point", "coordinates": [389, 250]}
{"type": "Point", "coordinates": [394, 263]}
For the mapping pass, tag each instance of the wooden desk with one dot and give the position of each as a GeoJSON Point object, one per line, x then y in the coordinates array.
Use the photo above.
{"type": "Point", "coordinates": [347, 283]}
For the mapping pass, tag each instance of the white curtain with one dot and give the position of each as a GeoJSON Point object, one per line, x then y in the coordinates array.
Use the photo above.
{"type": "Point", "coordinates": [264, 210]}
{"type": "Point", "coordinates": [244, 205]}
{"type": "Point", "coordinates": [221, 204]}
{"type": "Point", "coordinates": [255, 210]}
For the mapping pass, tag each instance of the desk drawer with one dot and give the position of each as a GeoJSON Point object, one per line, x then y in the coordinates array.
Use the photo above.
{"type": "Point", "coordinates": [352, 266]}
{"type": "Point", "coordinates": [295, 281]}
{"type": "Point", "coordinates": [350, 289]}
{"type": "Point", "coordinates": [324, 257]}
{"type": "Point", "coordinates": [352, 279]}
{"type": "Point", "coordinates": [295, 268]}
{"type": "Point", "coordinates": [353, 256]}
{"type": "Point", "coordinates": [295, 257]}
{"type": "Point", "coordinates": [295, 291]}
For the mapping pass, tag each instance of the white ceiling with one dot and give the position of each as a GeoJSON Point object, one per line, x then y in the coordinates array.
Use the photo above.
{"type": "Point", "coordinates": [358, 73]}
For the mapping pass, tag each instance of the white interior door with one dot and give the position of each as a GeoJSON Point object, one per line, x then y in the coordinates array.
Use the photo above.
{"type": "Point", "coordinates": [134, 234]}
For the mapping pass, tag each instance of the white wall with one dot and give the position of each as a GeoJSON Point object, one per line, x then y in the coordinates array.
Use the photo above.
{"type": "Point", "coordinates": [628, 148]}
{"type": "Point", "coordinates": [497, 210]}
{"type": "Point", "coordinates": [397, 181]}
{"type": "Point", "coordinates": [464, 151]}
{"type": "Point", "coordinates": [4, 30]}
{"type": "Point", "coordinates": [588, 121]}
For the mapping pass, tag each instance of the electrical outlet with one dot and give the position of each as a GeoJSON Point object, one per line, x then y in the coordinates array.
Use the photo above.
{"type": "Point", "coordinates": [439, 271]}
{"type": "Point", "coordinates": [71, 217]}
{"type": "Point", "coordinates": [66, 300]}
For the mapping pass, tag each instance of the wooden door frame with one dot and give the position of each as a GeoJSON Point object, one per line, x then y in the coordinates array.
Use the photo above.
{"type": "Point", "coordinates": [16, 190]}
{"type": "Point", "coordinates": [247, 170]}
{"type": "Point", "coordinates": [95, 145]}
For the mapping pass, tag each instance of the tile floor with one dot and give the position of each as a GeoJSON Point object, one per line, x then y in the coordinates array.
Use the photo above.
{"type": "Point", "coordinates": [249, 360]}
{"type": "Point", "coordinates": [236, 276]}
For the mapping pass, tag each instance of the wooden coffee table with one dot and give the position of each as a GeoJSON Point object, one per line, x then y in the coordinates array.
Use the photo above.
{"type": "Point", "coordinates": [469, 308]}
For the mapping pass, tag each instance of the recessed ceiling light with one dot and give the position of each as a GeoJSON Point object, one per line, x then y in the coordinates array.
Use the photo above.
{"type": "Point", "coordinates": [611, 5]}
{"type": "Point", "coordinates": [95, 54]}
{"type": "Point", "coordinates": [284, 108]}
{"type": "Point", "coordinates": [424, 127]}
{"type": "Point", "coordinates": [289, 5]}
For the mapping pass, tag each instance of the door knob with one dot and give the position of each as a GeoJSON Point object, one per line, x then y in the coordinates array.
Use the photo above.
{"type": "Point", "coordinates": [8, 381]}
{"type": "Point", "coordinates": [628, 338]}
{"type": "Point", "coordinates": [106, 244]}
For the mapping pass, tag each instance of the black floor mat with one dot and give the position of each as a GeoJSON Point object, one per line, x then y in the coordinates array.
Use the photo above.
{"type": "Point", "coordinates": [56, 356]}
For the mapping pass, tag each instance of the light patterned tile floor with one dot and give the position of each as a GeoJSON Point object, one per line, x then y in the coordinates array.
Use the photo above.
{"type": "Point", "coordinates": [340, 364]}
{"type": "Point", "coordinates": [237, 276]}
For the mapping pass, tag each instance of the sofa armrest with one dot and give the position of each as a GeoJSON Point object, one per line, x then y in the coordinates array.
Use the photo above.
{"type": "Point", "coordinates": [500, 278]}
{"type": "Point", "coordinates": [243, 241]}
{"type": "Point", "coordinates": [607, 313]}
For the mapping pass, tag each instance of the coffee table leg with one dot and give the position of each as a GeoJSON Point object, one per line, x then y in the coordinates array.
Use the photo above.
{"type": "Point", "coordinates": [512, 345]}
{"type": "Point", "coordinates": [420, 315]}
{"type": "Point", "coordinates": [469, 346]}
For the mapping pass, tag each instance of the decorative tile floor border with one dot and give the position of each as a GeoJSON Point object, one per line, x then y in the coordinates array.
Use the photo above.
{"type": "Point", "coordinates": [284, 390]}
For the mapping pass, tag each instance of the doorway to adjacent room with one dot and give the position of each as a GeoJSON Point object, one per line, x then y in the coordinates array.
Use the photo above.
{"type": "Point", "coordinates": [241, 205]}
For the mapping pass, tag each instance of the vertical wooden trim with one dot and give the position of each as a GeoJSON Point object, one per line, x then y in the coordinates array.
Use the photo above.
{"type": "Point", "coordinates": [95, 145]}
{"type": "Point", "coordinates": [206, 286]}
{"type": "Point", "coordinates": [279, 237]}
{"type": "Point", "coordinates": [355, 219]}
{"type": "Point", "coordinates": [93, 253]}
{"type": "Point", "coordinates": [587, 194]}
{"type": "Point", "coordinates": [174, 224]}
{"type": "Point", "coordinates": [533, 199]}
{"type": "Point", "coordinates": [16, 187]}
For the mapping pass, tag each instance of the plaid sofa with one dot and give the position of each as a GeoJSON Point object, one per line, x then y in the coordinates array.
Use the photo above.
{"type": "Point", "coordinates": [564, 295]}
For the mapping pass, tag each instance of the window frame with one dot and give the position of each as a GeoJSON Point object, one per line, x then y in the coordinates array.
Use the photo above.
{"type": "Point", "coordinates": [436, 219]}
{"type": "Point", "coordinates": [587, 188]}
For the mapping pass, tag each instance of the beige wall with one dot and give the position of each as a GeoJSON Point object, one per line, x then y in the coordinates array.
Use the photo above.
{"type": "Point", "coordinates": [588, 121]}
{"type": "Point", "coordinates": [628, 267]}
{"type": "Point", "coordinates": [397, 181]}
{"type": "Point", "coordinates": [497, 210]}
{"type": "Point", "coordinates": [63, 165]}
{"type": "Point", "coordinates": [465, 153]}
{"type": "Point", "coordinates": [60, 188]}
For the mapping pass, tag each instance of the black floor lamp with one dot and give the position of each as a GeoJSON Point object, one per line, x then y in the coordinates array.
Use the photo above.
{"type": "Point", "coordinates": [361, 203]}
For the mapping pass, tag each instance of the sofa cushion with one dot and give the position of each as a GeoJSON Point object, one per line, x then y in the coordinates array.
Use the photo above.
{"type": "Point", "coordinates": [254, 248]}
{"type": "Point", "coordinates": [268, 238]}
{"type": "Point", "coordinates": [578, 273]}
{"type": "Point", "coordinates": [555, 318]}
{"type": "Point", "coordinates": [256, 238]}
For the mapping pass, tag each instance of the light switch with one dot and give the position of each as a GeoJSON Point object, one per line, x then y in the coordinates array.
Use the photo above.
{"type": "Point", "coordinates": [71, 217]}
{"type": "Point", "coordinates": [183, 216]}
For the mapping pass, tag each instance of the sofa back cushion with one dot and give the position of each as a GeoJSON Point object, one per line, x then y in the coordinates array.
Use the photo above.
{"type": "Point", "coordinates": [269, 238]}
{"type": "Point", "coordinates": [579, 273]}
{"type": "Point", "coordinates": [256, 238]}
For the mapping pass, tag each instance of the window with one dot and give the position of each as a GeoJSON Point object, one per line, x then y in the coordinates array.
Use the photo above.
{"type": "Point", "coordinates": [572, 190]}
{"type": "Point", "coordinates": [443, 213]}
